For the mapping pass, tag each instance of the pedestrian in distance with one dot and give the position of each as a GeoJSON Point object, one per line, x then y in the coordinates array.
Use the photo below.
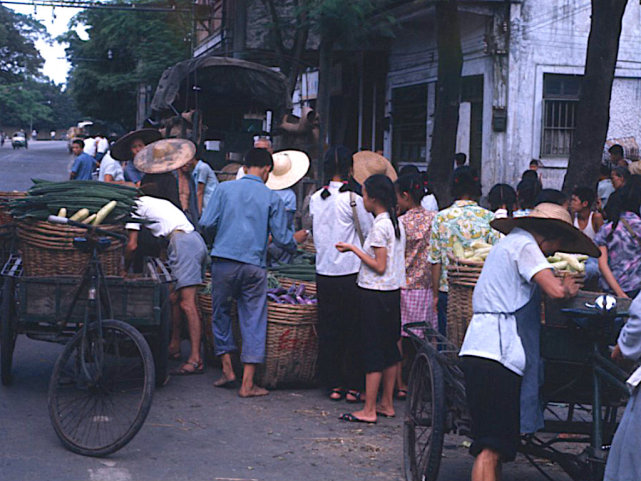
{"type": "Point", "coordinates": [83, 165]}
{"type": "Point", "coordinates": [338, 214]}
{"type": "Point", "coordinates": [380, 278]}
{"type": "Point", "coordinates": [417, 297]}
{"type": "Point", "coordinates": [240, 217]}
{"type": "Point", "coordinates": [617, 156]}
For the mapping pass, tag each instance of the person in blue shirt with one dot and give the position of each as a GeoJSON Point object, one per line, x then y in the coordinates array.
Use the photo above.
{"type": "Point", "coordinates": [240, 217]}
{"type": "Point", "coordinates": [84, 164]}
{"type": "Point", "coordinates": [206, 182]}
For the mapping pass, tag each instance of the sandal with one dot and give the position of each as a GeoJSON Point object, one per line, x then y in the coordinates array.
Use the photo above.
{"type": "Point", "coordinates": [198, 368]}
{"type": "Point", "coordinates": [350, 418]}
{"type": "Point", "coordinates": [400, 394]}
{"type": "Point", "coordinates": [337, 394]}
{"type": "Point", "coordinates": [356, 397]}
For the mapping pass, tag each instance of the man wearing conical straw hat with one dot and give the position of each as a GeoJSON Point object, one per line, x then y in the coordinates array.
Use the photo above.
{"type": "Point", "coordinates": [500, 352]}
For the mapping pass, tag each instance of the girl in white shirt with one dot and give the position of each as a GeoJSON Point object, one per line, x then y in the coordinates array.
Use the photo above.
{"type": "Point", "coordinates": [381, 276]}
{"type": "Point", "coordinates": [336, 212]}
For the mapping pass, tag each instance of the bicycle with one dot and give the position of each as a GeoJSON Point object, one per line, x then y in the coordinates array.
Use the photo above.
{"type": "Point", "coordinates": [102, 384]}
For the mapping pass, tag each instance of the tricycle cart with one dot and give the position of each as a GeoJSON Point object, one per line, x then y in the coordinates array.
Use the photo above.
{"type": "Point", "coordinates": [102, 384]}
{"type": "Point", "coordinates": [582, 392]}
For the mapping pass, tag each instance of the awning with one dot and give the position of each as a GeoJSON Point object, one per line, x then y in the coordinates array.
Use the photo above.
{"type": "Point", "coordinates": [221, 83]}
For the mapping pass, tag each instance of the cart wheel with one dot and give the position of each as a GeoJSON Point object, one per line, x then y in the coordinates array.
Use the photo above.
{"type": "Point", "coordinates": [8, 331]}
{"type": "Point", "coordinates": [101, 388]}
{"type": "Point", "coordinates": [423, 429]}
{"type": "Point", "coordinates": [161, 344]}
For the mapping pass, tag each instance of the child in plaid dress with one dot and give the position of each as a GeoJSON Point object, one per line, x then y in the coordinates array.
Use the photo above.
{"type": "Point", "coordinates": [417, 298]}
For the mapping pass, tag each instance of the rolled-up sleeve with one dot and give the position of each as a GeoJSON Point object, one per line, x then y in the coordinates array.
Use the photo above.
{"type": "Point", "coordinates": [279, 226]}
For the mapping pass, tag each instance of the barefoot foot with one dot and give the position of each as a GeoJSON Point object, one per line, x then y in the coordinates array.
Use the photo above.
{"type": "Point", "coordinates": [253, 391]}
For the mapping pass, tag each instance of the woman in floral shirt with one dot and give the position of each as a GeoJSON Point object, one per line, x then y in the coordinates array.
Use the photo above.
{"type": "Point", "coordinates": [417, 300]}
{"type": "Point", "coordinates": [620, 242]}
{"type": "Point", "coordinates": [465, 222]}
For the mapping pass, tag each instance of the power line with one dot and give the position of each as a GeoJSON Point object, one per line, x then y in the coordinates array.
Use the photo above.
{"type": "Point", "coordinates": [131, 7]}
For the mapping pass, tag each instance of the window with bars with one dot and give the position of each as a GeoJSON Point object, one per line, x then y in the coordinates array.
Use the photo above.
{"type": "Point", "coordinates": [560, 98]}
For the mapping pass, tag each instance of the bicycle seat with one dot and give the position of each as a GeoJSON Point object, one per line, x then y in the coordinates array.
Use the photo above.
{"type": "Point", "coordinates": [85, 244]}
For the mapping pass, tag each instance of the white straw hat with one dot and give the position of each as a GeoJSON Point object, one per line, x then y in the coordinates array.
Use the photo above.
{"type": "Point", "coordinates": [289, 167]}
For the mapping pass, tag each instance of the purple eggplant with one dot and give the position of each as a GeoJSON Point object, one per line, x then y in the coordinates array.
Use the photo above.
{"type": "Point", "coordinates": [288, 299]}
{"type": "Point", "coordinates": [300, 300]}
{"type": "Point", "coordinates": [292, 290]}
{"type": "Point", "coordinates": [274, 298]}
{"type": "Point", "coordinates": [300, 290]}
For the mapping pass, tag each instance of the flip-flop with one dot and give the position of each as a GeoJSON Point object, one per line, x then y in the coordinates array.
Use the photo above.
{"type": "Point", "coordinates": [181, 371]}
{"type": "Point", "coordinates": [339, 391]}
{"type": "Point", "coordinates": [400, 394]}
{"type": "Point", "coordinates": [378, 413]}
{"type": "Point", "coordinates": [356, 395]}
{"type": "Point", "coordinates": [350, 418]}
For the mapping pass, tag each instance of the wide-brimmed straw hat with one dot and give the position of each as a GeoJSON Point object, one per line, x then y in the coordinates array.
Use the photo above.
{"type": "Point", "coordinates": [555, 219]}
{"type": "Point", "coordinates": [368, 163]}
{"type": "Point", "coordinates": [164, 155]}
{"type": "Point", "coordinates": [121, 149]}
{"type": "Point", "coordinates": [289, 167]}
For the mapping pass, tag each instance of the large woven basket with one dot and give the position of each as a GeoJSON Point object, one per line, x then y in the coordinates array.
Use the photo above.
{"type": "Point", "coordinates": [47, 250]}
{"type": "Point", "coordinates": [5, 217]}
{"type": "Point", "coordinates": [287, 282]}
{"type": "Point", "coordinates": [462, 276]}
{"type": "Point", "coordinates": [291, 346]}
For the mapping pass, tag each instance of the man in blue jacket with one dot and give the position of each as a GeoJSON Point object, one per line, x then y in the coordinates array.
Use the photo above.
{"type": "Point", "coordinates": [240, 216]}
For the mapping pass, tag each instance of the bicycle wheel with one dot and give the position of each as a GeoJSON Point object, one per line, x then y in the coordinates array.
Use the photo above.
{"type": "Point", "coordinates": [101, 388]}
{"type": "Point", "coordinates": [423, 429]}
{"type": "Point", "coordinates": [8, 331]}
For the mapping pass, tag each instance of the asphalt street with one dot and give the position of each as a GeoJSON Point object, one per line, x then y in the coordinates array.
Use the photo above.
{"type": "Point", "coordinates": [43, 159]}
{"type": "Point", "coordinates": [196, 432]}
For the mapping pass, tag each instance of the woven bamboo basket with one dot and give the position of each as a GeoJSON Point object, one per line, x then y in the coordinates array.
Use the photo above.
{"type": "Point", "coordinates": [47, 250]}
{"type": "Point", "coordinates": [291, 345]}
{"type": "Point", "coordinates": [287, 282]}
{"type": "Point", "coordinates": [462, 276]}
{"type": "Point", "coordinates": [5, 217]}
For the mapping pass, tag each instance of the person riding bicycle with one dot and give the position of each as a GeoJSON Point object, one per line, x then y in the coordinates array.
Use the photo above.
{"type": "Point", "coordinates": [500, 351]}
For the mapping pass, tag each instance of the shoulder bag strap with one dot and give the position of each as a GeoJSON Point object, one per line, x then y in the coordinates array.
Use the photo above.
{"type": "Point", "coordinates": [357, 222]}
{"type": "Point", "coordinates": [630, 231]}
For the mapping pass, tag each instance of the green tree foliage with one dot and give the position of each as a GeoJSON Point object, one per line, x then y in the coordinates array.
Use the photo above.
{"type": "Point", "coordinates": [18, 54]}
{"type": "Point", "coordinates": [124, 49]}
{"type": "Point", "coordinates": [36, 104]}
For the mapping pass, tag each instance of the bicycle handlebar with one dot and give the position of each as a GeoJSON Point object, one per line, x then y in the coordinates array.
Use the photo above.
{"type": "Point", "coordinates": [91, 228]}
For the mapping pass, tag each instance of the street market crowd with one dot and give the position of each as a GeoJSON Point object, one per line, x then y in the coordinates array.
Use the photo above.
{"type": "Point", "coordinates": [382, 252]}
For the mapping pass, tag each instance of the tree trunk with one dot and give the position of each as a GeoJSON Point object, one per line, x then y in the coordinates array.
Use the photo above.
{"type": "Point", "coordinates": [325, 51]}
{"type": "Point", "coordinates": [593, 109]}
{"type": "Point", "coordinates": [448, 86]}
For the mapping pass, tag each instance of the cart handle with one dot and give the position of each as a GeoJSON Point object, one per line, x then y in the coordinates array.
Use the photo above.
{"type": "Point", "coordinates": [91, 228]}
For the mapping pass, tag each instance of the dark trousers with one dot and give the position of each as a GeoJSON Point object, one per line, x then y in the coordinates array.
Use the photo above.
{"type": "Point", "coordinates": [338, 331]}
{"type": "Point", "coordinates": [442, 313]}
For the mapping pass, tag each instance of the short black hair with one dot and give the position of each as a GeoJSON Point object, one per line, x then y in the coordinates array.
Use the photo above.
{"type": "Point", "coordinates": [605, 169]}
{"type": "Point", "coordinates": [622, 172]}
{"type": "Point", "coordinates": [460, 158]}
{"type": "Point", "coordinates": [551, 196]}
{"type": "Point", "coordinates": [408, 170]}
{"type": "Point", "coordinates": [259, 158]}
{"type": "Point", "coordinates": [585, 194]}
{"type": "Point", "coordinates": [79, 142]}
{"type": "Point", "coordinates": [534, 162]}
{"type": "Point", "coordinates": [502, 194]}
{"type": "Point", "coordinates": [527, 190]}
{"type": "Point", "coordinates": [530, 175]}
{"type": "Point", "coordinates": [616, 149]}
{"type": "Point", "coordinates": [465, 181]}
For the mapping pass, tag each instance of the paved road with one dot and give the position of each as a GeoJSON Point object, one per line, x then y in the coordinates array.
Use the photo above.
{"type": "Point", "coordinates": [43, 159]}
{"type": "Point", "coordinates": [195, 432]}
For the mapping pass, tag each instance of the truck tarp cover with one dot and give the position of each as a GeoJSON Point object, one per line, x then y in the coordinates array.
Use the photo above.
{"type": "Point", "coordinates": [211, 82]}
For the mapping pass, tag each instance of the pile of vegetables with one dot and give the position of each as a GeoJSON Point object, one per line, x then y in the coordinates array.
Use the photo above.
{"type": "Point", "coordinates": [85, 201]}
{"type": "Point", "coordinates": [302, 268]}
{"type": "Point", "coordinates": [294, 295]}
{"type": "Point", "coordinates": [560, 261]}
{"type": "Point", "coordinates": [568, 262]}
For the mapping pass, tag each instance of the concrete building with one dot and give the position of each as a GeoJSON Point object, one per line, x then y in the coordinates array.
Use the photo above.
{"type": "Point", "coordinates": [521, 76]}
